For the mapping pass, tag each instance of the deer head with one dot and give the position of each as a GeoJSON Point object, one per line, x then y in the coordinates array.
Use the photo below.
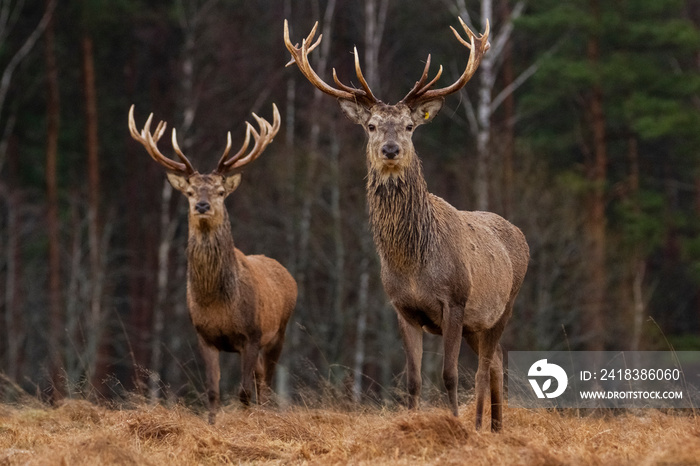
{"type": "Point", "coordinates": [389, 128]}
{"type": "Point", "coordinates": [206, 193]}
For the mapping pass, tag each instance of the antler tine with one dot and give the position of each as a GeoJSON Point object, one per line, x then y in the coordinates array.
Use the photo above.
{"type": "Point", "coordinates": [367, 93]}
{"type": "Point", "coordinates": [179, 153]}
{"type": "Point", "coordinates": [239, 162]}
{"type": "Point", "coordinates": [308, 39]}
{"type": "Point", "coordinates": [139, 136]}
{"type": "Point", "coordinates": [360, 76]}
{"type": "Point", "coordinates": [424, 76]}
{"type": "Point", "coordinates": [223, 162]}
{"type": "Point", "coordinates": [227, 165]}
{"type": "Point", "coordinates": [300, 57]}
{"type": "Point", "coordinates": [420, 85]}
{"type": "Point", "coordinates": [477, 46]}
{"type": "Point", "coordinates": [228, 144]}
{"type": "Point", "coordinates": [262, 139]}
{"type": "Point", "coordinates": [149, 141]}
{"type": "Point", "coordinates": [434, 80]}
{"type": "Point", "coordinates": [276, 120]}
{"type": "Point", "coordinates": [160, 129]}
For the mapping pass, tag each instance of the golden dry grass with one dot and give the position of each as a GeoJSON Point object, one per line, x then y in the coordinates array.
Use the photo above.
{"type": "Point", "coordinates": [80, 433]}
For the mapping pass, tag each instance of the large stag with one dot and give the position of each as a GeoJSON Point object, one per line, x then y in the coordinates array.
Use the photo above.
{"type": "Point", "coordinates": [448, 272]}
{"type": "Point", "coordinates": [237, 303]}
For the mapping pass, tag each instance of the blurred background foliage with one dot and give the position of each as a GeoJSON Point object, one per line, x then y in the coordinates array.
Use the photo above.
{"type": "Point", "coordinates": [592, 112]}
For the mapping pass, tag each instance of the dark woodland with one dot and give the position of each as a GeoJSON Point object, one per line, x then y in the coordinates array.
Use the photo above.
{"type": "Point", "coordinates": [581, 127]}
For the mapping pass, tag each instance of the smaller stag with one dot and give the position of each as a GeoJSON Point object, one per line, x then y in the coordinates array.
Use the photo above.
{"type": "Point", "coordinates": [237, 303]}
{"type": "Point", "coordinates": [448, 272]}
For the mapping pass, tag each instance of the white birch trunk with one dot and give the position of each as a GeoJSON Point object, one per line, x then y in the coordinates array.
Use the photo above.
{"type": "Point", "coordinates": [483, 139]}
{"type": "Point", "coordinates": [167, 232]}
{"type": "Point", "coordinates": [190, 16]}
{"type": "Point", "coordinates": [312, 162]}
{"type": "Point", "coordinates": [375, 19]}
{"type": "Point", "coordinates": [480, 119]}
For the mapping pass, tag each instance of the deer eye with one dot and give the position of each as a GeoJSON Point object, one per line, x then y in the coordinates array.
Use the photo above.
{"type": "Point", "coordinates": [221, 193]}
{"type": "Point", "coordinates": [190, 193]}
{"type": "Point", "coordinates": [371, 127]}
{"type": "Point", "coordinates": [409, 128]}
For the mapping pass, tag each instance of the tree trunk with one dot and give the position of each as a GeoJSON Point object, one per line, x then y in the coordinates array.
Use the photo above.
{"type": "Point", "coordinates": [56, 318]}
{"type": "Point", "coordinates": [338, 241]}
{"type": "Point", "coordinates": [282, 380]}
{"type": "Point", "coordinates": [697, 212]}
{"type": "Point", "coordinates": [290, 185]}
{"type": "Point", "coordinates": [167, 228]}
{"type": "Point", "coordinates": [637, 261]}
{"type": "Point", "coordinates": [14, 325]}
{"type": "Point", "coordinates": [12, 299]}
{"type": "Point", "coordinates": [480, 120]}
{"type": "Point", "coordinates": [361, 330]}
{"type": "Point", "coordinates": [375, 19]}
{"type": "Point", "coordinates": [483, 115]}
{"type": "Point", "coordinates": [693, 12]}
{"type": "Point", "coordinates": [139, 245]}
{"type": "Point", "coordinates": [508, 118]}
{"type": "Point", "coordinates": [593, 325]}
{"type": "Point", "coordinates": [96, 352]}
{"type": "Point", "coordinates": [310, 184]}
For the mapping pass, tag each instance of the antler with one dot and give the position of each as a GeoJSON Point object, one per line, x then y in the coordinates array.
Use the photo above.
{"type": "Point", "coordinates": [477, 45]}
{"type": "Point", "coordinates": [363, 96]}
{"type": "Point", "coordinates": [262, 139]}
{"type": "Point", "coordinates": [149, 141]}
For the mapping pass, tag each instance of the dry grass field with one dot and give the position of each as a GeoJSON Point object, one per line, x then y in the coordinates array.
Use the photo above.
{"type": "Point", "coordinates": [81, 433]}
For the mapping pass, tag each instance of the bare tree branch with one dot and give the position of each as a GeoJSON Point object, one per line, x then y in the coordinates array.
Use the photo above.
{"type": "Point", "coordinates": [503, 36]}
{"type": "Point", "coordinates": [8, 17]}
{"type": "Point", "coordinates": [509, 89]}
{"type": "Point", "coordinates": [23, 51]}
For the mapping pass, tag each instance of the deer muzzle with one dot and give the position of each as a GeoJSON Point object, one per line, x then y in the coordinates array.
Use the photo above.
{"type": "Point", "coordinates": [391, 150]}
{"type": "Point", "coordinates": [202, 207]}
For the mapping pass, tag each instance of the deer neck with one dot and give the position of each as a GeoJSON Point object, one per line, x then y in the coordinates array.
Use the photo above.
{"type": "Point", "coordinates": [401, 217]}
{"type": "Point", "coordinates": [212, 267]}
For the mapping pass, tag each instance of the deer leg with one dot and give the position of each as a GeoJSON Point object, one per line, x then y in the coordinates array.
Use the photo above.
{"type": "Point", "coordinates": [412, 338]}
{"type": "Point", "coordinates": [485, 383]}
{"type": "Point", "coordinates": [211, 363]}
{"type": "Point", "coordinates": [482, 381]}
{"type": "Point", "coordinates": [249, 362]}
{"type": "Point", "coordinates": [272, 356]}
{"type": "Point", "coordinates": [497, 390]}
{"type": "Point", "coordinates": [452, 341]}
{"type": "Point", "coordinates": [497, 370]}
{"type": "Point", "coordinates": [260, 384]}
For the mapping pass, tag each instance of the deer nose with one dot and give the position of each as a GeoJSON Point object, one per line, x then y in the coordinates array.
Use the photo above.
{"type": "Point", "coordinates": [390, 150]}
{"type": "Point", "coordinates": [202, 207]}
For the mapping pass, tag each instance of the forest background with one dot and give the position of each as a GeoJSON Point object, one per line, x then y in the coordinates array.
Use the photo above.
{"type": "Point", "coordinates": [582, 127]}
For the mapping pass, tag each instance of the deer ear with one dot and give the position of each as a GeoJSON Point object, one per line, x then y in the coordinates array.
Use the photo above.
{"type": "Point", "coordinates": [231, 182]}
{"type": "Point", "coordinates": [355, 112]}
{"type": "Point", "coordinates": [426, 111]}
{"type": "Point", "coordinates": [179, 182]}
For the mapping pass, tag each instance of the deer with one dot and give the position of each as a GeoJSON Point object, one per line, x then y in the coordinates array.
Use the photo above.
{"type": "Point", "coordinates": [237, 303]}
{"type": "Point", "coordinates": [447, 272]}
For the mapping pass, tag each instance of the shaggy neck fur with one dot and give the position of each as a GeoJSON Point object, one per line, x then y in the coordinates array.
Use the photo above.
{"type": "Point", "coordinates": [401, 216]}
{"type": "Point", "coordinates": [212, 267]}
